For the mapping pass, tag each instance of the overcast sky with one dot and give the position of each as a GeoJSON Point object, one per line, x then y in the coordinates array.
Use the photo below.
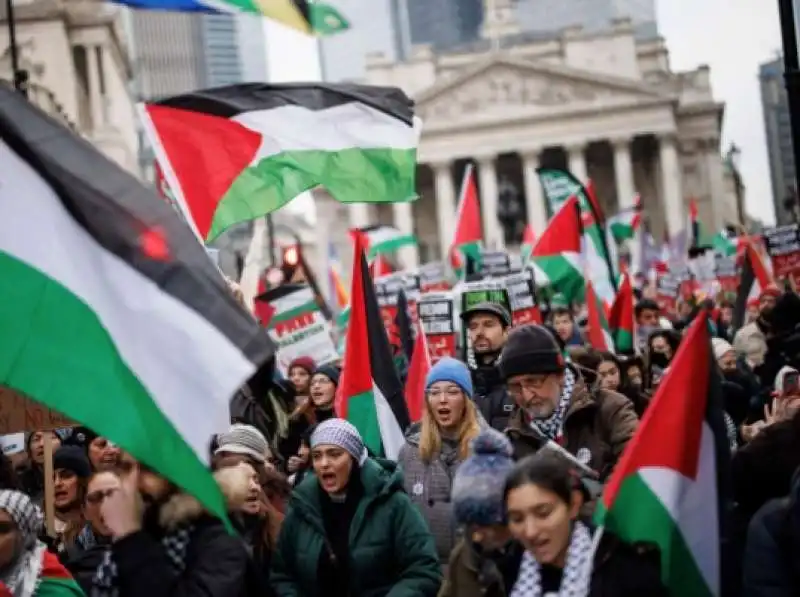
{"type": "Point", "coordinates": [732, 36]}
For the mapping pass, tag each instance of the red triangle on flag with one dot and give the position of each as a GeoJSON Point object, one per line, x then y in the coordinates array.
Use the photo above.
{"type": "Point", "coordinates": [468, 219]}
{"type": "Point", "coordinates": [528, 236]}
{"type": "Point", "coordinates": [563, 233]}
{"type": "Point", "coordinates": [206, 153]}
{"type": "Point", "coordinates": [417, 374]}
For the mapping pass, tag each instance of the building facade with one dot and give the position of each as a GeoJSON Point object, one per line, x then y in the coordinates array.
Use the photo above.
{"type": "Point", "coordinates": [777, 126]}
{"type": "Point", "coordinates": [605, 105]}
{"type": "Point", "coordinates": [592, 15]}
{"type": "Point", "coordinates": [78, 70]}
{"type": "Point", "coordinates": [442, 24]}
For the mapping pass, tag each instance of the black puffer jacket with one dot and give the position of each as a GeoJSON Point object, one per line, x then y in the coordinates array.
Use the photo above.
{"type": "Point", "coordinates": [491, 396]}
{"type": "Point", "coordinates": [82, 563]}
{"type": "Point", "coordinates": [772, 557]}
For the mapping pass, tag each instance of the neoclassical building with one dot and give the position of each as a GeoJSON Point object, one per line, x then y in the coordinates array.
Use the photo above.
{"type": "Point", "coordinates": [78, 68]}
{"type": "Point", "coordinates": [605, 105]}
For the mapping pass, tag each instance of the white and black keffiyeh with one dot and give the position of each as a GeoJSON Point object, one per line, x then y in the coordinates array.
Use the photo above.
{"type": "Point", "coordinates": [176, 545]}
{"type": "Point", "coordinates": [553, 426]}
{"type": "Point", "coordinates": [21, 578]}
{"type": "Point", "coordinates": [577, 576]}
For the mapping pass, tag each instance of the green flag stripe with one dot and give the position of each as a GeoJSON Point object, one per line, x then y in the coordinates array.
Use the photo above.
{"type": "Point", "coordinates": [294, 312]}
{"type": "Point", "coordinates": [350, 175]}
{"type": "Point", "coordinates": [94, 386]}
{"type": "Point", "coordinates": [363, 414]}
{"type": "Point", "coordinates": [58, 587]}
{"type": "Point", "coordinates": [391, 245]}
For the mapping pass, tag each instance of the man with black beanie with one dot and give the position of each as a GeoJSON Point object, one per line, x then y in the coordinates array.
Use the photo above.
{"type": "Point", "coordinates": [554, 403]}
{"type": "Point", "coordinates": [487, 326]}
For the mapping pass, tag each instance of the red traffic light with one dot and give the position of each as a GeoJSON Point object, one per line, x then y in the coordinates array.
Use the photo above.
{"type": "Point", "coordinates": [291, 256]}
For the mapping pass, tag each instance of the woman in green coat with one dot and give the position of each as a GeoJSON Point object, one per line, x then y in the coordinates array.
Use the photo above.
{"type": "Point", "coordinates": [350, 529]}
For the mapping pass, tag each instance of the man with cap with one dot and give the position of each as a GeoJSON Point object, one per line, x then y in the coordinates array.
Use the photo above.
{"type": "Point", "coordinates": [555, 404]}
{"type": "Point", "coordinates": [487, 326]}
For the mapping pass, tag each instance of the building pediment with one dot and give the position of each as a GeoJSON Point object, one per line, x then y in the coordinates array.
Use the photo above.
{"type": "Point", "coordinates": [507, 86]}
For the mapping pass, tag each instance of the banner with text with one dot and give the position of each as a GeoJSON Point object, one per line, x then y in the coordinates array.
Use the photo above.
{"type": "Point", "coordinates": [783, 248]}
{"type": "Point", "coordinates": [436, 313]}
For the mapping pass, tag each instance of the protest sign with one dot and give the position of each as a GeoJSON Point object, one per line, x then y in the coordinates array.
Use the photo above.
{"type": "Point", "coordinates": [433, 277]}
{"type": "Point", "coordinates": [727, 273]}
{"type": "Point", "coordinates": [522, 298]}
{"type": "Point", "coordinates": [667, 292]}
{"type": "Point", "coordinates": [20, 413]}
{"type": "Point", "coordinates": [783, 247]}
{"type": "Point", "coordinates": [496, 264]}
{"type": "Point", "coordinates": [298, 327]}
{"type": "Point", "coordinates": [436, 313]}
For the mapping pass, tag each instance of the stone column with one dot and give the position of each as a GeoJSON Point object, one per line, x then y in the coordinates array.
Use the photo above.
{"type": "Point", "coordinates": [534, 197]}
{"type": "Point", "coordinates": [626, 191]}
{"type": "Point", "coordinates": [404, 222]}
{"type": "Point", "coordinates": [492, 232]}
{"type": "Point", "coordinates": [95, 97]}
{"type": "Point", "coordinates": [716, 183]}
{"type": "Point", "coordinates": [671, 185]}
{"type": "Point", "coordinates": [359, 215]}
{"type": "Point", "coordinates": [445, 204]}
{"type": "Point", "coordinates": [577, 162]}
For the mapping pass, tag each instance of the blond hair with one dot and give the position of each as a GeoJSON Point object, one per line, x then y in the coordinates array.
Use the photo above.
{"type": "Point", "coordinates": [430, 438]}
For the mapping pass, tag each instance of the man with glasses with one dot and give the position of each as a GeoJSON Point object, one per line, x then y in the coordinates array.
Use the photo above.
{"type": "Point", "coordinates": [554, 404]}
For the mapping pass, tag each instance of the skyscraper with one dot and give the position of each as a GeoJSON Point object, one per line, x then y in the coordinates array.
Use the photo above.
{"type": "Point", "coordinates": [443, 24]}
{"type": "Point", "coordinates": [779, 137]}
{"type": "Point", "coordinates": [592, 15]}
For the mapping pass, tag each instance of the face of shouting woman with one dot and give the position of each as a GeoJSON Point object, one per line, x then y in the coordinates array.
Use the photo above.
{"type": "Point", "coordinates": [446, 403]}
{"type": "Point", "coordinates": [300, 379]}
{"type": "Point", "coordinates": [103, 454]}
{"type": "Point", "coordinates": [323, 391]}
{"type": "Point", "coordinates": [332, 465]}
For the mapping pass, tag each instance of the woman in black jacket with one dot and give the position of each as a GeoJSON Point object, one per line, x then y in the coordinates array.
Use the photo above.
{"type": "Point", "coordinates": [543, 500]}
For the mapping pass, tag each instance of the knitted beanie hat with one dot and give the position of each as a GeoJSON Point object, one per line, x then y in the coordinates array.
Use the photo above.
{"type": "Point", "coordinates": [530, 348]}
{"type": "Point", "coordinates": [332, 372]}
{"type": "Point", "coordinates": [243, 439]}
{"type": "Point", "coordinates": [340, 433]}
{"type": "Point", "coordinates": [478, 485]}
{"type": "Point", "coordinates": [306, 363]}
{"type": "Point", "coordinates": [452, 370]}
{"type": "Point", "coordinates": [72, 458]}
{"type": "Point", "coordinates": [721, 347]}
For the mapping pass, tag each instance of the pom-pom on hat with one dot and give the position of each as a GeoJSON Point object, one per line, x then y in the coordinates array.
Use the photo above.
{"type": "Point", "coordinates": [478, 485]}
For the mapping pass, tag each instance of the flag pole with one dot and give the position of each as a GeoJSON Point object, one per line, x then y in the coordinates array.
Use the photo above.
{"type": "Point", "coordinates": [791, 68]}
{"type": "Point", "coordinates": [17, 73]}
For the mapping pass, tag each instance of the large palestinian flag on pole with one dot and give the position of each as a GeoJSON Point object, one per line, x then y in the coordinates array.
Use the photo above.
{"type": "Point", "coordinates": [384, 240]}
{"type": "Point", "coordinates": [557, 254]}
{"type": "Point", "coordinates": [233, 154]}
{"type": "Point", "coordinates": [468, 235]}
{"type": "Point", "coordinates": [559, 187]}
{"type": "Point", "coordinates": [112, 312]}
{"type": "Point", "coordinates": [670, 487]}
{"type": "Point", "coordinates": [370, 393]}
{"type": "Point", "coordinates": [621, 318]}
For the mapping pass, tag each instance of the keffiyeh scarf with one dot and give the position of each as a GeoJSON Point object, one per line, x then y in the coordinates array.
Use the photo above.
{"type": "Point", "coordinates": [176, 545]}
{"type": "Point", "coordinates": [577, 576]}
{"type": "Point", "coordinates": [22, 578]}
{"type": "Point", "coordinates": [553, 426]}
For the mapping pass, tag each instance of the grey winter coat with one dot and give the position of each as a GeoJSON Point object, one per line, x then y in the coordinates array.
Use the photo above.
{"type": "Point", "coordinates": [428, 486]}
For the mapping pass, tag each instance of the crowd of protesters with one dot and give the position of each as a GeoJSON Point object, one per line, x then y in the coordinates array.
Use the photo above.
{"type": "Point", "coordinates": [473, 506]}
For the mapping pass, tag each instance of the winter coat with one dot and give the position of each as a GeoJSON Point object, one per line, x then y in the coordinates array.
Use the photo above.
{"type": "Point", "coordinates": [597, 427]}
{"type": "Point", "coordinates": [491, 396]}
{"type": "Point", "coordinates": [217, 562]}
{"type": "Point", "coordinates": [762, 469]}
{"type": "Point", "coordinates": [428, 486]}
{"type": "Point", "coordinates": [82, 562]}
{"type": "Point", "coordinates": [471, 574]}
{"type": "Point", "coordinates": [392, 552]}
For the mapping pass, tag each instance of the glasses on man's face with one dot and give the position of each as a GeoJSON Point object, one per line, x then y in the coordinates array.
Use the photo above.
{"type": "Point", "coordinates": [449, 393]}
{"type": "Point", "coordinates": [530, 385]}
{"type": "Point", "coordinates": [95, 498]}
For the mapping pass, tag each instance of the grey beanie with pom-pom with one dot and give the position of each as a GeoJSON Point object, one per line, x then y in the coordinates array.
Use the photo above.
{"type": "Point", "coordinates": [477, 493]}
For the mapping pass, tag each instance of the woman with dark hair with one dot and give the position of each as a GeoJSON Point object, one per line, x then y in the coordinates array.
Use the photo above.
{"type": "Point", "coordinates": [543, 498]}
{"type": "Point", "coordinates": [624, 376]}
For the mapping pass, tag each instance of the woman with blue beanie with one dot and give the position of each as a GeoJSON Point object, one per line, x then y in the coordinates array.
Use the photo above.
{"type": "Point", "coordinates": [486, 560]}
{"type": "Point", "coordinates": [437, 445]}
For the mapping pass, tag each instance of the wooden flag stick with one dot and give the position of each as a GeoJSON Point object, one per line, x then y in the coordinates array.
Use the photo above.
{"type": "Point", "coordinates": [49, 486]}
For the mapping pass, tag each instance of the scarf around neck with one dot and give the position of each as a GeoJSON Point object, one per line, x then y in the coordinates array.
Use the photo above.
{"type": "Point", "coordinates": [577, 575]}
{"type": "Point", "coordinates": [553, 426]}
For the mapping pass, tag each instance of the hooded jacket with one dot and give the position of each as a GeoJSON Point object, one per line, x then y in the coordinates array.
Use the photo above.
{"type": "Point", "coordinates": [391, 551]}
{"type": "Point", "coordinates": [217, 562]}
{"type": "Point", "coordinates": [597, 426]}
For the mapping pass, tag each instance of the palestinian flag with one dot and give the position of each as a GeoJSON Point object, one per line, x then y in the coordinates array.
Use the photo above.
{"type": "Point", "coordinates": [54, 580]}
{"type": "Point", "coordinates": [383, 240]}
{"type": "Point", "coordinates": [755, 277]}
{"type": "Point", "coordinates": [557, 254]}
{"type": "Point", "coordinates": [307, 16]}
{"type": "Point", "coordinates": [669, 489]}
{"type": "Point", "coordinates": [528, 242]}
{"type": "Point", "coordinates": [699, 238]}
{"type": "Point", "coordinates": [623, 225]}
{"type": "Point", "coordinates": [599, 332]}
{"type": "Point", "coordinates": [561, 186]}
{"type": "Point", "coordinates": [621, 319]}
{"type": "Point", "coordinates": [380, 267]}
{"type": "Point", "coordinates": [370, 394]}
{"type": "Point", "coordinates": [417, 375]}
{"type": "Point", "coordinates": [259, 146]}
{"type": "Point", "coordinates": [113, 314]}
{"type": "Point", "coordinates": [468, 236]}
